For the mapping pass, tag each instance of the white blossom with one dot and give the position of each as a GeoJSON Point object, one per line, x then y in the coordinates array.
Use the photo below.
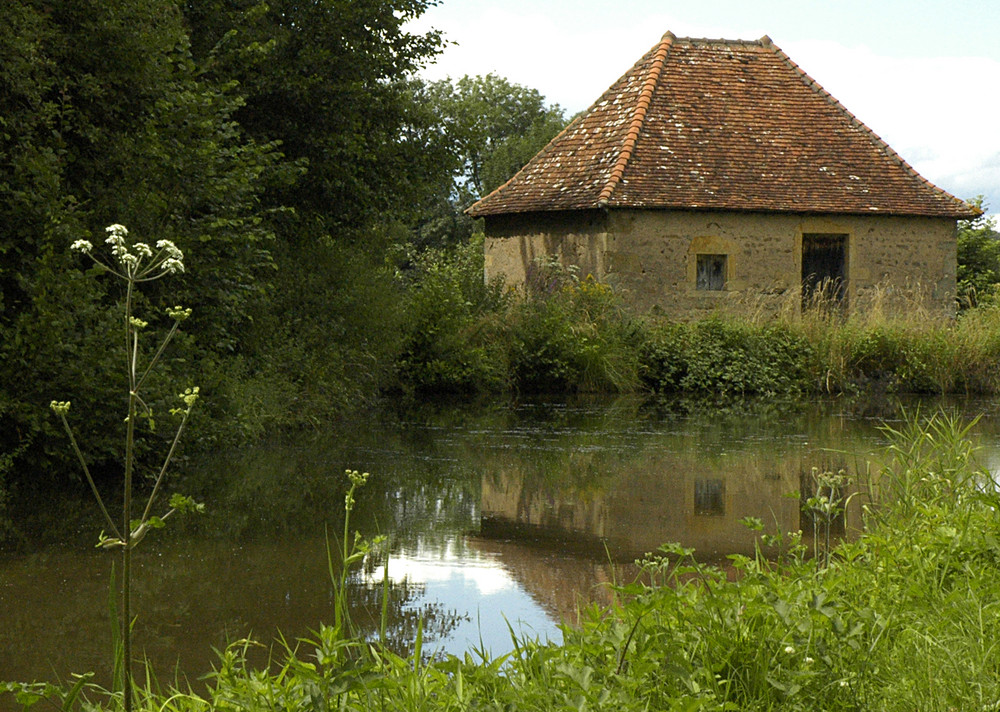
{"type": "Point", "coordinates": [118, 247]}
{"type": "Point", "coordinates": [142, 249]}
{"type": "Point", "coordinates": [170, 248]}
{"type": "Point", "coordinates": [116, 230]}
{"type": "Point", "coordinates": [172, 265]}
{"type": "Point", "coordinates": [84, 246]}
{"type": "Point", "coordinates": [179, 313]}
{"type": "Point", "coordinates": [60, 407]}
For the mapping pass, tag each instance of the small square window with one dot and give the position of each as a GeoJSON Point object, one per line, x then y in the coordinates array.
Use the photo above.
{"type": "Point", "coordinates": [711, 273]}
{"type": "Point", "coordinates": [709, 497]}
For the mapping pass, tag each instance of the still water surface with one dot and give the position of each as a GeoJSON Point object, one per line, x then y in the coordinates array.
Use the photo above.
{"type": "Point", "coordinates": [497, 518]}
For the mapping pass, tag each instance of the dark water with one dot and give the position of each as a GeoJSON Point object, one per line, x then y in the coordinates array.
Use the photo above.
{"type": "Point", "coordinates": [496, 518]}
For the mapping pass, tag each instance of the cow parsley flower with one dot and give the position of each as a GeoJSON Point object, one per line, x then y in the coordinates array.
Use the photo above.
{"type": "Point", "coordinates": [170, 248]}
{"type": "Point", "coordinates": [84, 246]}
{"type": "Point", "coordinates": [116, 238]}
{"type": "Point", "coordinates": [179, 313]}
{"type": "Point", "coordinates": [116, 230]}
{"type": "Point", "coordinates": [189, 396]}
{"type": "Point", "coordinates": [60, 407]}
{"type": "Point", "coordinates": [172, 265]}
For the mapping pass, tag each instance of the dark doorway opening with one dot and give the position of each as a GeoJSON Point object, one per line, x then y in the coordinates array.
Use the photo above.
{"type": "Point", "coordinates": [824, 269]}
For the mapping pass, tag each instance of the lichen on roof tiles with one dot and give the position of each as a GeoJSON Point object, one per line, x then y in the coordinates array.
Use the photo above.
{"type": "Point", "coordinates": [754, 123]}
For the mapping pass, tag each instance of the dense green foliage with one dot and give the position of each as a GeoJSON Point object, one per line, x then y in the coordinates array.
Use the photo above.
{"type": "Point", "coordinates": [978, 260]}
{"type": "Point", "coordinates": [568, 334]}
{"type": "Point", "coordinates": [452, 341]}
{"type": "Point", "coordinates": [290, 150]}
{"type": "Point", "coordinates": [903, 617]}
{"type": "Point", "coordinates": [108, 118]}
{"type": "Point", "coordinates": [161, 115]}
{"type": "Point", "coordinates": [492, 129]}
{"type": "Point", "coordinates": [726, 356]}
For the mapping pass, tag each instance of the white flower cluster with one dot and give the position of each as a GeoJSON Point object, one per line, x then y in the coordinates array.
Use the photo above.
{"type": "Point", "coordinates": [179, 313]}
{"type": "Point", "coordinates": [189, 396]}
{"type": "Point", "coordinates": [60, 407]}
{"type": "Point", "coordinates": [138, 261]}
{"type": "Point", "coordinates": [174, 260]}
{"type": "Point", "coordinates": [116, 238]}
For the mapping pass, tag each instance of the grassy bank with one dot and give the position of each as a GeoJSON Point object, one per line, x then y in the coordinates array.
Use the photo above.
{"type": "Point", "coordinates": [571, 334]}
{"type": "Point", "coordinates": [903, 618]}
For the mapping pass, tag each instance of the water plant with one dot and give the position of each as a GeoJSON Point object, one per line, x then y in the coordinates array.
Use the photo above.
{"type": "Point", "coordinates": [135, 263]}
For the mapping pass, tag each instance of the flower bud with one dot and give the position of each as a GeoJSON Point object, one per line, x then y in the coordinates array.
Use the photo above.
{"type": "Point", "coordinates": [59, 407]}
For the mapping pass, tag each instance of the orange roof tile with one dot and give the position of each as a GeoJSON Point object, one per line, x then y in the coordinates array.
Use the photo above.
{"type": "Point", "coordinates": [720, 125]}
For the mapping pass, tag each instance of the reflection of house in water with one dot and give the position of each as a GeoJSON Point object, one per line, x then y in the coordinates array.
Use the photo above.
{"type": "Point", "coordinates": [661, 497]}
{"type": "Point", "coordinates": [561, 582]}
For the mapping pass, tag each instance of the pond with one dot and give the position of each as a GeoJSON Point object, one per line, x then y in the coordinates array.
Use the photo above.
{"type": "Point", "coordinates": [498, 518]}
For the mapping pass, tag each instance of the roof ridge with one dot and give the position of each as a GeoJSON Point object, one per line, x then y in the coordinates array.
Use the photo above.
{"type": "Point", "coordinates": [768, 43]}
{"type": "Point", "coordinates": [638, 118]}
{"type": "Point", "coordinates": [717, 40]}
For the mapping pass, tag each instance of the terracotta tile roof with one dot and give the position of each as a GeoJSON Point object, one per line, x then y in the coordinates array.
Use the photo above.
{"type": "Point", "coordinates": [720, 125]}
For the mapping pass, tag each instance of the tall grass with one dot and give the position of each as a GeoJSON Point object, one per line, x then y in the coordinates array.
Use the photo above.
{"type": "Point", "coordinates": [569, 333]}
{"type": "Point", "coordinates": [889, 340]}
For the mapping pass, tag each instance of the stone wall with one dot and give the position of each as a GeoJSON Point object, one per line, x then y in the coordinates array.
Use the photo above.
{"type": "Point", "coordinates": [651, 256]}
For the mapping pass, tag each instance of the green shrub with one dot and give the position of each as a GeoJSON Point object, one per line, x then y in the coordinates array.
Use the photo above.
{"type": "Point", "coordinates": [735, 358]}
{"type": "Point", "coordinates": [573, 335]}
{"type": "Point", "coordinates": [663, 356]}
{"type": "Point", "coordinates": [453, 341]}
{"type": "Point", "coordinates": [978, 250]}
{"type": "Point", "coordinates": [726, 356]}
{"type": "Point", "coordinates": [323, 341]}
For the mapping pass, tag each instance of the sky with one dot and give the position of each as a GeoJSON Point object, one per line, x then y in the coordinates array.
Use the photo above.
{"type": "Point", "coordinates": [923, 74]}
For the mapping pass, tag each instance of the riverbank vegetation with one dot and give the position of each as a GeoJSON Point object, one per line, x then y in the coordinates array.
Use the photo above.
{"type": "Point", "coordinates": [903, 617]}
{"type": "Point", "coordinates": [334, 267]}
{"type": "Point", "coordinates": [571, 333]}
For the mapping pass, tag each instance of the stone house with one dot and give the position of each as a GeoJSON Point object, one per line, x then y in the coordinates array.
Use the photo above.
{"type": "Point", "coordinates": [719, 166]}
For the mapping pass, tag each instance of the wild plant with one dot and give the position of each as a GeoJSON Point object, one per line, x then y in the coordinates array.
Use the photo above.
{"type": "Point", "coordinates": [136, 263]}
{"type": "Point", "coordinates": [571, 334]}
{"type": "Point", "coordinates": [353, 551]}
{"type": "Point", "coordinates": [825, 505]}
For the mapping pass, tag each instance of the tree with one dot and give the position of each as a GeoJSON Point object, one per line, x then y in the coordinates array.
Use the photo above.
{"type": "Point", "coordinates": [978, 258]}
{"type": "Point", "coordinates": [497, 126]}
{"type": "Point", "coordinates": [108, 118]}
{"type": "Point", "coordinates": [492, 128]}
{"type": "Point", "coordinates": [328, 80]}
